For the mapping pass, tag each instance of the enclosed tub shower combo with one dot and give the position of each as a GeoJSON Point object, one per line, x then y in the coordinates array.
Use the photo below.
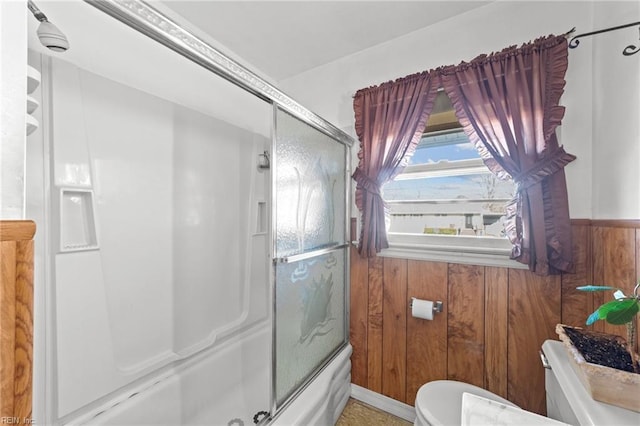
{"type": "Point", "coordinates": [192, 258]}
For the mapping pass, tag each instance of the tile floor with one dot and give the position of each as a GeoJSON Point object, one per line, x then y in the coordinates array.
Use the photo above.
{"type": "Point", "coordinates": [358, 413]}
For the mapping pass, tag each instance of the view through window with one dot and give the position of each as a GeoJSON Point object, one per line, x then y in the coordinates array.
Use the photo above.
{"type": "Point", "coordinates": [447, 190]}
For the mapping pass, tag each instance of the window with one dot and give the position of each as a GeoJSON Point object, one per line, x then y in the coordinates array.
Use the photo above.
{"type": "Point", "coordinates": [446, 200]}
{"type": "Point", "coordinates": [447, 190]}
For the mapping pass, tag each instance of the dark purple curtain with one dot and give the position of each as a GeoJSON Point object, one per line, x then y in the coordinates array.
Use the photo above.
{"type": "Point", "coordinates": [508, 106]}
{"type": "Point", "coordinates": [390, 119]}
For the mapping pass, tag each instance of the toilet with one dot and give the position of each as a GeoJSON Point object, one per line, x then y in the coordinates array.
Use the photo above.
{"type": "Point", "coordinates": [439, 403]}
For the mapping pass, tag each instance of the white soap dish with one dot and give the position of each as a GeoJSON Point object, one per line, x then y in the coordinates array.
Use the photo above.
{"type": "Point", "coordinates": [33, 79]}
{"type": "Point", "coordinates": [32, 104]}
{"type": "Point", "coordinates": [32, 124]}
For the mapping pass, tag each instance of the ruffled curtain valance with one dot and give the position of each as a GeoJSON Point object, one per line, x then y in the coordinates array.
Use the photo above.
{"type": "Point", "coordinates": [508, 105]}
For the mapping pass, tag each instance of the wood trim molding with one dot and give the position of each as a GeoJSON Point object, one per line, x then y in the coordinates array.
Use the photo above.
{"type": "Point", "coordinates": [16, 320]}
{"type": "Point", "coordinates": [17, 230]}
{"type": "Point", "coordinates": [616, 223]}
{"type": "Point", "coordinates": [610, 223]}
{"type": "Point", "coordinates": [581, 222]}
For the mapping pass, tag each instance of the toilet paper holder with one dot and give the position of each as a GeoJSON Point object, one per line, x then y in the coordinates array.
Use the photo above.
{"type": "Point", "coordinates": [437, 306]}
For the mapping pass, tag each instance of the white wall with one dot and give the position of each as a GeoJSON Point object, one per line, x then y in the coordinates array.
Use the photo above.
{"type": "Point", "coordinates": [13, 98]}
{"type": "Point", "coordinates": [609, 101]}
{"type": "Point", "coordinates": [616, 114]}
{"type": "Point", "coordinates": [328, 90]}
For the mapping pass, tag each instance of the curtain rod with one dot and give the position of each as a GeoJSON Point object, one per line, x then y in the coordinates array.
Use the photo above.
{"type": "Point", "coordinates": [628, 51]}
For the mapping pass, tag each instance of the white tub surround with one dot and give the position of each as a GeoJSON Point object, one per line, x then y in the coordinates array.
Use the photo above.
{"type": "Point", "coordinates": [164, 277]}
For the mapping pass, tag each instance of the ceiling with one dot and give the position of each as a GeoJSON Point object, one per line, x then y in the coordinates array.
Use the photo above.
{"type": "Point", "coordinates": [286, 38]}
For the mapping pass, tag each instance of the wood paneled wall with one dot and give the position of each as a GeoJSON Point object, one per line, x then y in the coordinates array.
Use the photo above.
{"type": "Point", "coordinates": [494, 319]}
{"type": "Point", "coordinates": [16, 320]}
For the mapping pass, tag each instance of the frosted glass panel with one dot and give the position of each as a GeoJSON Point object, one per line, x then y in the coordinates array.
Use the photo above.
{"type": "Point", "coordinates": [310, 317]}
{"type": "Point", "coordinates": [310, 188]}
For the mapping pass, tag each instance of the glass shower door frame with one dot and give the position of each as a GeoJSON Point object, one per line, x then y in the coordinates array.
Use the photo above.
{"type": "Point", "coordinates": [342, 246]}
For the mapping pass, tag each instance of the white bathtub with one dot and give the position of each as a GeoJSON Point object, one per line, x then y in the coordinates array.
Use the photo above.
{"type": "Point", "coordinates": [227, 387]}
{"type": "Point", "coordinates": [322, 402]}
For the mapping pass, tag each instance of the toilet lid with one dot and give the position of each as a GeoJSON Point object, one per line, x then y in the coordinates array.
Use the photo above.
{"type": "Point", "coordinates": [440, 402]}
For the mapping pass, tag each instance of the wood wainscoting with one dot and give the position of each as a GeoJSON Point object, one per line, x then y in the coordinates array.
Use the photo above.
{"type": "Point", "coordinates": [494, 319]}
{"type": "Point", "coordinates": [16, 320]}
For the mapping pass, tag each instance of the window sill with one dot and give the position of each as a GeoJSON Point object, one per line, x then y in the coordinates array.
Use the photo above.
{"type": "Point", "coordinates": [452, 249]}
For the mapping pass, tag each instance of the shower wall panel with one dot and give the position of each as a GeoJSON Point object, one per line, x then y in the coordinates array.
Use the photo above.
{"type": "Point", "coordinates": [174, 261]}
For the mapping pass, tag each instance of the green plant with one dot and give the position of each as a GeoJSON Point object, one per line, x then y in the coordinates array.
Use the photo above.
{"type": "Point", "coordinates": [622, 310]}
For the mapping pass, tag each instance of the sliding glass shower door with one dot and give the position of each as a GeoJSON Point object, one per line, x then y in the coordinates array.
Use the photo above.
{"type": "Point", "coordinates": [310, 252]}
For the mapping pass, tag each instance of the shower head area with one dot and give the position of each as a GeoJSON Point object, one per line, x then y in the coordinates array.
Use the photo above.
{"type": "Point", "coordinates": [192, 247]}
{"type": "Point", "coordinates": [49, 35]}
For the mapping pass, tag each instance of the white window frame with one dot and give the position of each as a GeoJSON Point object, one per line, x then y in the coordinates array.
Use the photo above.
{"type": "Point", "coordinates": [473, 250]}
{"type": "Point", "coordinates": [443, 168]}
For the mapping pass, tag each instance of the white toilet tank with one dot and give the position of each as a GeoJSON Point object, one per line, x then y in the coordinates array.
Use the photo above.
{"type": "Point", "coordinates": [567, 399]}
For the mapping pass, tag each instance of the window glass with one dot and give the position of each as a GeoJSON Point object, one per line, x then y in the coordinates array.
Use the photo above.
{"type": "Point", "coordinates": [447, 190]}
{"type": "Point", "coordinates": [444, 146]}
